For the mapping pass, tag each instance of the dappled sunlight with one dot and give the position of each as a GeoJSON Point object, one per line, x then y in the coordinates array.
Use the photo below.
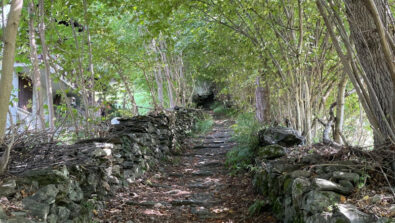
{"type": "Point", "coordinates": [220, 210]}
{"type": "Point", "coordinates": [177, 192]}
{"type": "Point", "coordinates": [153, 212]}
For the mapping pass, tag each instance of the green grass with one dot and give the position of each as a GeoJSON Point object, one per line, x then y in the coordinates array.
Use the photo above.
{"type": "Point", "coordinates": [203, 125]}
{"type": "Point", "coordinates": [241, 157]}
{"type": "Point", "coordinates": [257, 207]}
{"type": "Point", "coordinates": [220, 109]}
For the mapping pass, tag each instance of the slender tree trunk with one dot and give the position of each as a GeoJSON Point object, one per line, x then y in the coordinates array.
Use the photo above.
{"type": "Point", "coordinates": [8, 62]}
{"type": "Point", "coordinates": [158, 76]}
{"type": "Point", "coordinates": [307, 122]}
{"type": "Point", "coordinates": [183, 81]}
{"type": "Point", "coordinates": [159, 83]}
{"type": "Point", "coordinates": [259, 107]}
{"type": "Point", "coordinates": [170, 88]}
{"type": "Point", "coordinates": [48, 80]}
{"type": "Point", "coordinates": [149, 83]}
{"type": "Point", "coordinates": [7, 73]}
{"type": "Point", "coordinates": [379, 69]}
{"type": "Point", "coordinates": [37, 87]}
{"type": "Point", "coordinates": [340, 109]}
{"type": "Point", "coordinates": [130, 92]}
{"type": "Point", "coordinates": [80, 77]}
{"type": "Point", "coordinates": [91, 67]}
{"type": "Point", "coordinates": [262, 103]}
{"type": "Point", "coordinates": [298, 111]}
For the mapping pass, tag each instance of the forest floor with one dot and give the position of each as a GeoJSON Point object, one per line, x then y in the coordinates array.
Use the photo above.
{"type": "Point", "coordinates": [193, 187]}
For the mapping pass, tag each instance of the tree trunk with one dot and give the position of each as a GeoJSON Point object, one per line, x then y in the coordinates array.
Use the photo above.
{"type": "Point", "coordinates": [149, 83]}
{"type": "Point", "coordinates": [262, 103]}
{"type": "Point", "coordinates": [91, 68]}
{"type": "Point", "coordinates": [170, 88]}
{"type": "Point", "coordinates": [48, 80]}
{"type": "Point", "coordinates": [158, 76]}
{"type": "Point", "coordinates": [308, 113]}
{"type": "Point", "coordinates": [8, 62]}
{"type": "Point", "coordinates": [340, 109]}
{"type": "Point", "coordinates": [7, 73]}
{"type": "Point", "coordinates": [183, 81]}
{"type": "Point", "coordinates": [130, 93]}
{"type": "Point", "coordinates": [80, 80]}
{"type": "Point", "coordinates": [38, 110]}
{"type": "Point", "coordinates": [371, 53]}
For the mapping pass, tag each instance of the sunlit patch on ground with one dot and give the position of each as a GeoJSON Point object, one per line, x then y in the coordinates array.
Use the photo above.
{"type": "Point", "coordinates": [152, 212]}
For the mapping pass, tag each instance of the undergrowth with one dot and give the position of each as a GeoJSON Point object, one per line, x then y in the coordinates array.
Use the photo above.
{"type": "Point", "coordinates": [221, 109]}
{"type": "Point", "coordinates": [257, 207]}
{"type": "Point", "coordinates": [241, 157]}
{"type": "Point", "coordinates": [203, 125]}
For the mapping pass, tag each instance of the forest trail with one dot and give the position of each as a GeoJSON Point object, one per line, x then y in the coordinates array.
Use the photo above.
{"type": "Point", "coordinates": [193, 187]}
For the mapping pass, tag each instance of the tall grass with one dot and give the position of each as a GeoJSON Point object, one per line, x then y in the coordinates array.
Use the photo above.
{"type": "Point", "coordinates": [203, 125]}
{"type": "Point", "coordinates": [245, 130]}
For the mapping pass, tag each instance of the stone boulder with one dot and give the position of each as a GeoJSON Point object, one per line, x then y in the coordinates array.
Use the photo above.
{"type": "Point", "coordinates": [351, 214]}
{"type": "Point", "coordinates": [8, 188]}
{"type": "Point", "coordinates": [38, 205]}
{"type": "Point", "coordinates": [286, 137]}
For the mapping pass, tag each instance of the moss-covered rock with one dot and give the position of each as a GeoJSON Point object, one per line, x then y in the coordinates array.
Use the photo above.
{"type": "Point", "coordinates": [271, 152]}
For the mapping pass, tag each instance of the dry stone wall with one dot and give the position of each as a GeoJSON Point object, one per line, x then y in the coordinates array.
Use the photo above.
{"type": "Point", "coordinates": [301, 187]}
{"type": "Point", "coordinates": [69, 183]}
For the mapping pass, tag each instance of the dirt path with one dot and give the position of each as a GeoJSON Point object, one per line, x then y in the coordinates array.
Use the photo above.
{"type": "Point", "coordinates": [194, 187]}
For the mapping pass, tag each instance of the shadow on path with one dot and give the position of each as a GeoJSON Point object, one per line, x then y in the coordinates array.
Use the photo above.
{"type": "Point", "coordinates": [194, 187]}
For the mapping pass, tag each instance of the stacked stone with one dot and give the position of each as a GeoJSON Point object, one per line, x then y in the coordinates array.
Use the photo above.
{"type": "Point", "coordinates": [77, 178]}
{"type": "Point", "coordinates": [299, 194]}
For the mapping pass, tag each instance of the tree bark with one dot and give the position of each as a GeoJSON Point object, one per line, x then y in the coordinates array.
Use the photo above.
{"type": "Point", "coordinates": [170, 87]}
{"type": "Point", "coordinates": [159, 83]}
{"type": "Point", "coordinates": [7, 73]}
{"type": "Point", "coordinates": [340, 109]}
{"type": "Point", "coordinates": [349, 65]}
{"type": "Point", "coordinates": [308, 113]}
{"type": "Point", "coordinates": [371, 52]}
{"type": "Point", "coordinates": [48, 80]}
{"type": "Point", "coordinates": [158, 76]}
{"type": "Point", "coordinates": [8, 62]}
{"type": "Point", "coordinates": [91, 67]}
{"type": "Point", "coordinates": [38, 111]}
{"type": "Point", "coordinates": [262, 103]}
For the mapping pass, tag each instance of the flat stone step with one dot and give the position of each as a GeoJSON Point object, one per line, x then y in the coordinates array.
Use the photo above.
{"type": "Point", "coordinates": [214, 163]}
{"type": "Point", "coordinates": [221, 130]}
{"type": "Point", "coordinates": [146, 203]}
{"type": "Point", "coordinates": [211, 146]}
{"type": "Point", "coordinates": [199, 186]}
{"type": "Point", "coordinates": [175, 175]}
{"type": "Point", "coordinates": [192, 203]}
{"type": "Point", "coordinates": [211, 141]}
{"type": "Point", "coordinates": [159, 186]}
{"type": "Point", "coordinates": [217, 137]}
{"type": "Point", "coordinates": [203, 173]}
